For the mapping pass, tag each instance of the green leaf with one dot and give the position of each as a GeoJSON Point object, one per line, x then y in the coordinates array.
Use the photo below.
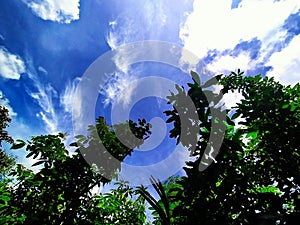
{"type": "Point", "coordinates": [195, 77]}
{"type": "Point", "coordinates": [74, 144]}
{"type": "Point", "coordinates": [170, 119]}
{"type": "Point", "coordinates": [285, 106]}
{"type": "Point", "coordinates": [5, 198]}
{"type": "Point", "coordinates": [18, 145]}
{"type": "Point", "coordinates": [212, 81]}
{"type": "Point", "coordinates": [236, 115]}
{"type": "Point", "coordinates": [30, 154]}
{"type": "Point", "coordinates": [252, 134]}
{"type": "Point", "coordinates": [39, 163]}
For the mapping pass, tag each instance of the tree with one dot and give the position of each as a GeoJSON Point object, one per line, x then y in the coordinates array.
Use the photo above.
{"type": "Point", "coordinates": [6, 161]}
{"type": "Point", "coordinates": [256, 177]}
{"type": "Point", "coordinates": [60, 192]}
{"type": "Point", "coordinates": [7, 212]}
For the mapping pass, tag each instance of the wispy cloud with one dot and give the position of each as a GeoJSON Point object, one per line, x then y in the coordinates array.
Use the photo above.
{"type": "Point", "coordinates": [67, 97]}
{"type": "Point", "coordinates": [119, 89]}
{"type": "Point", "coordinates": [44, 97]}
{"type": "Point", "coordinates": [71, 102]}
{"type": "Point", "coordinates": [43, 94]}
{"type": "Point", "coordinates": [123, 30]}
{"type": "Point", "coordinates": [62, 11]}
{"type": "Point", "coordinates": [144, 21]}
{"type": "Point", "coordinates": [11, 65]}
{"type": "Point", "coordinates": [42, 69]}
{"type": "Point", "coordinates": [139, 22]}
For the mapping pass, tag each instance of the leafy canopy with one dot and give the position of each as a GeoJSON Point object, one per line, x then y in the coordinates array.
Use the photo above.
{"type": "Point", "coordinates": [255, 176]}
{"type": "Point", "coordinates": [61, 191]}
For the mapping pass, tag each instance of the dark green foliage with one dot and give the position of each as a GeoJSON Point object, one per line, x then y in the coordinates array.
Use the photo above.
{"type": "Point", "coordinates": [252, 181]}
{"type": "Point", "coordinates": [208, 123]}
{"type": "Point", "coordinates": [4, 121]}
{"type": "Point", "coordinates": [7, 212]}
{"type": "Point", "coordinates": [162, 208]}
{"type": "Point", "coordinates": [103, 149]}
{"type": "Point", "coordinates": [119, 206]}
{"type": "Point", "coordinates": [60, 192]}
{"type": "Point", "coordinates": [6, 161]}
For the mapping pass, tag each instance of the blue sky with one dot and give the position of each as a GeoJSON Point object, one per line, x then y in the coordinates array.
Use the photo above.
{"type": "Point", "coordinates": [47, 45]}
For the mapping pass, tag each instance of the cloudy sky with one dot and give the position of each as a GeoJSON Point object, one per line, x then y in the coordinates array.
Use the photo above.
{"type": "Point", "coordinates": [47, 45]}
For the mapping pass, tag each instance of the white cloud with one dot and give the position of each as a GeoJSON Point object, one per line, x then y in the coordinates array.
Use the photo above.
{"type": "Point", "coordinates": [269, 43]}
{"type": "Point", "coordinates": [62, 11]}
{"type": "Point", "coordinates": [210, 27]}
{"type": "Point", "coordinates": [286, 63]}
{"type": "Point", "coordinates": [11, 66]}
{"type": "Point", "coordinates": [67, 97]}
{"type": "Point", "coordinates": [230, 63]}
{"type": "Point", "coordinates": [231, 99]}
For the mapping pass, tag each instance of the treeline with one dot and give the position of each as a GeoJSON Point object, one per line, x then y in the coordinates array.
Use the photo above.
{"type": "Point", "coordinates": [254, 179]}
